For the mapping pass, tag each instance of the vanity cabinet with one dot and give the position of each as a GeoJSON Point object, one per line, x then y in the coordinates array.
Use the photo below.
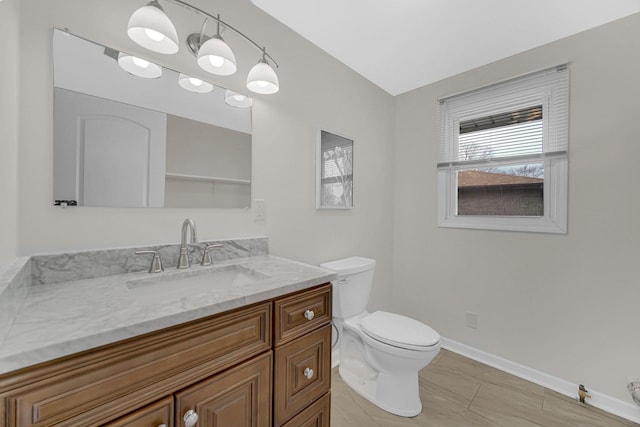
{"type": "Point", "coordinates": [223, 368]}
{"type": "Point", "coordinates": [302, 367]}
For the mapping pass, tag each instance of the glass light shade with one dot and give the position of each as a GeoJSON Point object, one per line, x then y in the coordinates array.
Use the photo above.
{"type": "Point", "coordinates": [152, 29]}
{"type": "Point", "coordinates": [138, 66]}
{"type": "Point", "coordinates": [194, 84]}
{"type": "Point", "coordinates": [262, 79]}
{"type": "Point", "coordinates": [237, 100]}
{"type": "Point", "coordinates": [216, 57]}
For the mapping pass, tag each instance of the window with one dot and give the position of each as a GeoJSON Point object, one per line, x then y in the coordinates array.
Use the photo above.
{"type": "Point", "coordinates": [335, 172]}
{"type": "Point", "coordinates": [503, 155]}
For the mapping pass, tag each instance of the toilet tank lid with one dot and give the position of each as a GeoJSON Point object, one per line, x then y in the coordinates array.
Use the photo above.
{"type": "Point", "coordinates": [399, 330]}
{"type": "Point", "coordinates": [352, 265]}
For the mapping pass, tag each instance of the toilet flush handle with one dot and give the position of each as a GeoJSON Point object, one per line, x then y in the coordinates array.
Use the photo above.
{"type": "Point", "coordinates": [343, 280]}
{"type": "Point", "coordinates": [309, 314]}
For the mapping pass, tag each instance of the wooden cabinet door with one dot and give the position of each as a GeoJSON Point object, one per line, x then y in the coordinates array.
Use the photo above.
{"type": "Point", "coordinates": [239, 397]}
{"type": "Point", "coordinates": [302, 373]}
{"type": "Point", "coordinates": [316, 415]}
{"type": "Point", "coordinates": [157, 414]}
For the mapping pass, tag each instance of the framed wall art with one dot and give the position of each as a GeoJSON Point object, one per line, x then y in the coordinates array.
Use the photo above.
{"type": "Point", "coordinates": [334, 172]}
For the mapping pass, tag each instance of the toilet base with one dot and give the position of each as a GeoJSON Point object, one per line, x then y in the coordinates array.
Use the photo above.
{"type": "Point", "coordinates": [397, 395]}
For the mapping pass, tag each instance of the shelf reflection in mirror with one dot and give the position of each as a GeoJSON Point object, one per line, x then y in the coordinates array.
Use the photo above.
{"type": "Point", "coordinates": [125, 141]}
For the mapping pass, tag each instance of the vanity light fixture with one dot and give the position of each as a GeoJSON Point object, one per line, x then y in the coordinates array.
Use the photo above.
{"type": "Point", "coordinates": [214, 55]}
{"type": "Point", "coordinates": [194, 84]}
{"type": "Point", "coordinates": [151, 28]}
{"type": "Point", "coordinates": [262, 78]}
{"type": "Point", "coordinates": [237, 99]}
{"type": "Point", "coordinates": [138, 66]}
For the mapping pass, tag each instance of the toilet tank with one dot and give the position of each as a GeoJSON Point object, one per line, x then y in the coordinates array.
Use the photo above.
{"type": "Point", "coordinates": [352, 287]}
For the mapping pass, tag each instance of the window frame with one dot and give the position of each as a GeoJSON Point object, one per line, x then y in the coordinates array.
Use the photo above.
{"type": "Point", "coordinates": [539, 88]}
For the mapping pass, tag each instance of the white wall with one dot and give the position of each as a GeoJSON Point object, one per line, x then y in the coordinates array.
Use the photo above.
{"type": "Point", "coordinates": [9, 79]}
{"type": "Point", "coordinates": [566, 305]}
{"type": "Point", "coordinates": [316, 91]}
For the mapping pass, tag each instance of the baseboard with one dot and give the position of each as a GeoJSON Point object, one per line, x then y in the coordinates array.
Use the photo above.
{"type": "Point", "coordinates": [602, 401]}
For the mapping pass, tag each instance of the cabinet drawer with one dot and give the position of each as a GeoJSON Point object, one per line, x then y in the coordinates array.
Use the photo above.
{"type": "Point", "coordinates": [100, 385]}
{"type": "Point", "coordinates": [300, 313]}
{"type": "Point", "coordinates": [239, 397]}
{"type": "Point", "coordinates": [316, 415]}
{"type": "Point", "coordinates": [154, 415]}
{"type": "Point", "coordinates": [302, 373]}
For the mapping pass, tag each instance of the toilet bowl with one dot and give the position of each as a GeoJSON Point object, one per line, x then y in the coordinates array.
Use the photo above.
{"type": "Point", "coordinates": [380, 353]}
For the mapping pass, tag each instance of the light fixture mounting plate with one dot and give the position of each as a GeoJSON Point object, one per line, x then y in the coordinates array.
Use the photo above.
{"type": "Point", "coordinates": [194, 41]}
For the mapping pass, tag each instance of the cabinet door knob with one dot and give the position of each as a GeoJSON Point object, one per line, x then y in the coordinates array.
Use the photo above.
{"type": "Point", "coordinates": [309, 314]}
{"type": "Point", "coordinates": [308, 372]}
{"type": "Point", "coordinates": [162, 425]}
{"type": "Point", "coordinates": [190, 418]}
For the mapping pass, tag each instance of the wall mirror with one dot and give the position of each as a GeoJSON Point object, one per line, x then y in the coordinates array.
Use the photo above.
{"type": "Point", "coordinates": [334, 172]}
{"type": "Point", "coordinates": [128, 141]}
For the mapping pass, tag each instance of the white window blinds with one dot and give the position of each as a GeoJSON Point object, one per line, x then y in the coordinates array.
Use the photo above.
{"type": "Point", "coordinates": [482, 124]}
{"type": "Point", "coordinates": [520, 139]}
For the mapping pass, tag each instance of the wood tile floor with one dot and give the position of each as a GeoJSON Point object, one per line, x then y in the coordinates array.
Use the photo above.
{"type": "Point", "coordinates": [460, 392]}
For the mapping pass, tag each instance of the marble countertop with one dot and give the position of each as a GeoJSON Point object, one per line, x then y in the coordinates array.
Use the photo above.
{"type": "Point", "coordinates": [59, 319]}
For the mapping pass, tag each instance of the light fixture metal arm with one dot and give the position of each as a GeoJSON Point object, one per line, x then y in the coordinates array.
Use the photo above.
{"type": "Point", "coordinates": [220, 21]}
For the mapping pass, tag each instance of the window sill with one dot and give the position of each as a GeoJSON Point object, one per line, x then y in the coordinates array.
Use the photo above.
{"type": "Point", "coordinates": [524, 224]}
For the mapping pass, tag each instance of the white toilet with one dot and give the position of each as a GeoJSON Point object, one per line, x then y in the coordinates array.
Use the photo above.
{"type": "Point", "coordinates": [379, 353]}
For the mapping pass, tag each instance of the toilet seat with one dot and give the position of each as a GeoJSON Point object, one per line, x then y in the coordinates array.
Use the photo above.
{"type": "Point", "coordinates": [399, 331]}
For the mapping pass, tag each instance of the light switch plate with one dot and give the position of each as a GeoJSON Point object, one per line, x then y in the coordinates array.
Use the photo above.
{"type": "Point", "coordinates": [259, 209]}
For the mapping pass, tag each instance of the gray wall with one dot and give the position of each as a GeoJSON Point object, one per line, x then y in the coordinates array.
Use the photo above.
{"type": "Point", "coordinates": [9, 80]}
{"type": "Point", "coordinates": [566, 305]}
{"type": "Point", "coordinates": [316, 92]}
{"type": "Point", "coordinates": [196, 148]}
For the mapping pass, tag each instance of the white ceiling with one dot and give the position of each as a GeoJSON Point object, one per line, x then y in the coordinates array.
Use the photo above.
{"type": "Point", "coordinates": [401, 45]}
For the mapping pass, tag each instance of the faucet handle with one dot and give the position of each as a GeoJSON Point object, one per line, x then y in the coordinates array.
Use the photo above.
{"type": "Point", "coordinates": [206, 254]}
{"type": "Point", "coordinates": [156, 262]}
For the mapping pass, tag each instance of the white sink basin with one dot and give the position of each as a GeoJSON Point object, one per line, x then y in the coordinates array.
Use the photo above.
{"type": "Point", "coordinates": [178, 284]}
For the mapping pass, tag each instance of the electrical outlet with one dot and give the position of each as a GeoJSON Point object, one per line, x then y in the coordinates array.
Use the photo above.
{"type": "Point", "coordinates": [259, 209]}
{"type": "Point", "coordinates": [471, 320]}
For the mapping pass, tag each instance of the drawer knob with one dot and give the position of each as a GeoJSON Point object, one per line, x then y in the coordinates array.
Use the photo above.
{"type": "Point", "coordinates": [162, 425]}
{"type": "Point", "coordinates": [309, 314]}
{"type": "Point", "coordinates": [308, 372]}
{"type": "Point", "coordinates": [190, 418]}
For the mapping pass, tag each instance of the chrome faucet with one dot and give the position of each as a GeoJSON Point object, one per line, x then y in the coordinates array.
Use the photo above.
{"type": "Point", "coordinates": [183, 258]}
